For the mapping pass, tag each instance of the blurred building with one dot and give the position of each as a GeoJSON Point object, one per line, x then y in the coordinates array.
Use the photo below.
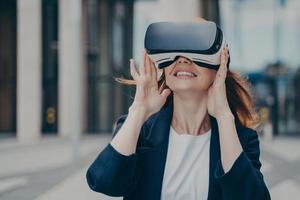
{"type": "Point", "coordinates": [37, 38]}
{"type": "Point", "coordinates": [42, 42]}
{"type": "Point", "coordinates": [264, 43]}
{"type": "Point", "coordinates": [276, 90]}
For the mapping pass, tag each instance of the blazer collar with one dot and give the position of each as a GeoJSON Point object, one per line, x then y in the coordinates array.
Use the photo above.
{"type": "Point", "coordinates": [158, 139]}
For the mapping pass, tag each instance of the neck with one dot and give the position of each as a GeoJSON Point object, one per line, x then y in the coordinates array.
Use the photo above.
{"type": "Point", "coordinates": [190, 114]}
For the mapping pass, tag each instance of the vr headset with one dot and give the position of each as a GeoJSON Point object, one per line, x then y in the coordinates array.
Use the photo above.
{"type": "Point", "coordinates": [201, 42]}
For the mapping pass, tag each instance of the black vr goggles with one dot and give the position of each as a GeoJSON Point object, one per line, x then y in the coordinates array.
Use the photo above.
{"type": "Point", "coordinates": [201, 42]}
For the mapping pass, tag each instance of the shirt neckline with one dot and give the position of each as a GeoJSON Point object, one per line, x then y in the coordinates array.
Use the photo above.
{"type": "Point", "coordinates": [189, 135]}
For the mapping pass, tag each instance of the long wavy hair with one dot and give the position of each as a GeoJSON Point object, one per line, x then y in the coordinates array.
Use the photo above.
{"type": "Point", "coordinates": [239, 95]}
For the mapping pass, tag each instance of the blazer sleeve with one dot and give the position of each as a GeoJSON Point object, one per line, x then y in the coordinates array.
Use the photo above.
{"type": "Point", "coordinates": [244, 181]}
{"type": "Point", "coordinates": [113, 173]}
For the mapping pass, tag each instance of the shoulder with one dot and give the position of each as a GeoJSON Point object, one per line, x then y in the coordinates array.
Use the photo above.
{"type": "Point", "coordinates": [250, 143]}
{"type": "Point", "coordinates": [251, 146]}
{"type": "Point", "coordinates": [247, 135]}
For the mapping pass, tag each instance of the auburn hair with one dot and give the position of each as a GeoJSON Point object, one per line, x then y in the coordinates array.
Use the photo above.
{"type": "Point", "coordinates": [239, 95]}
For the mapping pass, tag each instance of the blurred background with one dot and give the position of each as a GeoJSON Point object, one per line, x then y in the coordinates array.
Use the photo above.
{"type": "Point", "coordinates": [58, 98]}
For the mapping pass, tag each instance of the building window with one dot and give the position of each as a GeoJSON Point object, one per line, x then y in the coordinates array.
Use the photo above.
{"type": "Point", "coordinates": [8, 66]}
{"type": "Point", "coordinates": [50, 66]}
{"type": "Point", "coordinates": [108, 44]}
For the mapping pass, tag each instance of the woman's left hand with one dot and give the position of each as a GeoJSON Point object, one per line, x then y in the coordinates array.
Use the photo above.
{"type": "Point", "coordinates": [217, 103]}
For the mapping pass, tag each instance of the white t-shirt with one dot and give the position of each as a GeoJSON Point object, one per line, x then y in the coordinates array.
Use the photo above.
{"type": "Point", "coordinates": [186, 173]}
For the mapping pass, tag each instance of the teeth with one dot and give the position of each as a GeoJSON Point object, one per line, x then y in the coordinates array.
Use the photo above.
{"type": "Point", "coordinates": [184, 74]}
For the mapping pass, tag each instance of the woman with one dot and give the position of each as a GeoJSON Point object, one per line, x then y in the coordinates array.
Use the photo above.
{"type": "Point", "coordinates": [186, 136]}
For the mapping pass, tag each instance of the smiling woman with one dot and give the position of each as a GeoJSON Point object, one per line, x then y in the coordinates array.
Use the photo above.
{"type": "Point", "coordinates": [187, 135]}
{"type": "Point", "coordinates": [238, 89]}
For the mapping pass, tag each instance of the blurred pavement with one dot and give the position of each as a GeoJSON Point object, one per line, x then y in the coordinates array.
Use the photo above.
{"type": "Point", "coordinates": [45, 171]}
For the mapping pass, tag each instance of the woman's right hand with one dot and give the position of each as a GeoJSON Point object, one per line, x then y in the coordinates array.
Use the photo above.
{"type": "Point", "coordinates": [148, 97]}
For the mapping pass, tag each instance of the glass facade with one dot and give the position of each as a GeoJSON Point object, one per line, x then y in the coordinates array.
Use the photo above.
{"type": "Point", "coordinates": [8, 66]}
{"type": "Point", "coordinates": [108, 44]}
{"type": "Point", "coordinates": [50, 66]}
{"type": "Point", "coordinates": [268, 28]}
{"type": "Point", "coordinates": [263, 40]}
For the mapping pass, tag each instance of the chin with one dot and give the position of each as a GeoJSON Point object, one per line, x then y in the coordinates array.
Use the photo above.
{"type": "Point", "coordinates": [184, 90]}
{"type": "Point", "coordinates": [188, 88]}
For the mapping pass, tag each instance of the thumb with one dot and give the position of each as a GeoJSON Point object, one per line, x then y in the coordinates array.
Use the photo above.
{"type": "Point", "coordinates": [165, 93]}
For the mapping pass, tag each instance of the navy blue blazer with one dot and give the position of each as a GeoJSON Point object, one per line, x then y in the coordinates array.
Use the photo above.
{"type": "Point", "coordinates": [139, 176]}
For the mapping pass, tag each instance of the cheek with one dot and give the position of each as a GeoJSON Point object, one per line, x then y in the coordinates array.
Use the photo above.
{"type": "Point", "coordinates": [207, 77]}
{"type": "Point", "coordinates": [204, 83]}
{"type": "Point", "coordinates": [211, 78]}
{"type": "Point", "coordinates": [169, 80]}
{"type": "Point", "coordinates": [209, 74]}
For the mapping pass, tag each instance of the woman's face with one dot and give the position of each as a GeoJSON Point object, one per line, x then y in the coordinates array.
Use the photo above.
{"type": "Point", "coordinates": [184, 75]}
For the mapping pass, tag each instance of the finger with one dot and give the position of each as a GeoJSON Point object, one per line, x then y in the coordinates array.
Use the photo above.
{"type": "Point", "coordinates": [151, 66]}
{"type": "Point", "coordinates": [153, 71]}
{"type": "Point", "coordinates": [142, 66]}
{"type": "Point", "coordinates": [133, 70]}
{"type": "Point", "coordinates": [165, 93]}
{"type": "Point", "coordinates": [222, 71]}
{"type": "Point", "coordinates": [224, 57]}
{"type": "Point", "coordinates": [220, 76]}
{"type": "Point", "coordinates": [147, 64]}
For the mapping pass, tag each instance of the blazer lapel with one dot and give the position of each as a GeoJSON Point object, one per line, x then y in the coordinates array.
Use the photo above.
{"type": "Point", "coordinates": [213, 159]}
{"type": "Point", "coordinates": [152, 158]}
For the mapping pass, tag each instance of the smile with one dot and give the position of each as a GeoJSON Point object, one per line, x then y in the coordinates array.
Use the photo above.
{"type": "Point", "coordinates": [184, 75]}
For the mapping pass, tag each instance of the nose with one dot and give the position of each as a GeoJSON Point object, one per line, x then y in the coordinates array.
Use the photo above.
{"type": "Point", "coordinates": [182, 59]}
